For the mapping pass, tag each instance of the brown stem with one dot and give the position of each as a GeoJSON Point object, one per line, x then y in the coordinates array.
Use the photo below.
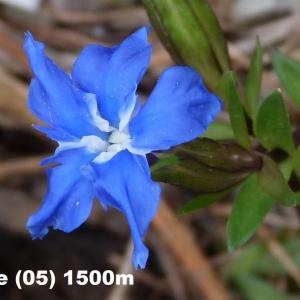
{"type": "Point", "coordinates": [181, 243]}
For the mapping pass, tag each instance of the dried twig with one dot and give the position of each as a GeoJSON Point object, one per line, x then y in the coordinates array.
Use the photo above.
{"type": "Point", "coordinates": [65, 38]}
{"type": "Point", "coordinates": [158, 285]}
{"type": "Point", "coordinates": [20, 166]}
{"type": "Point", "coordinates": [272, 219]}
{"type": "Point", "coordinates": [177, 284]}
{"type": "Point", "coordinates": [119, 291]}
{"type": "Point", "coordinates": [112, 15]}
{"type": "Point", "coordinates": [13, 102]}
{"type": "Point", "coordinates": [11, 44]}
{"type": "Point", "coordinates": [280, 254]}
{"type": "Point", "coordinates": [181, 243]}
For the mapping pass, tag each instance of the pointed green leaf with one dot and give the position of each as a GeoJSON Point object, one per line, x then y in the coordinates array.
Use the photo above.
{"type": "Point", "coordinates": [288, 71]}
{"type": "Point", "coordinates": [183, 36]}
{"type": "Point", "coordinates": [266, 264]}
{"type": "Point", "coordinates": [253, 82]}
{"type": "Point", "coordinates": [210, 24]}
{"type": "Point", "coordinates": [286, 168]}
{"type": "Point", "coordinates": [272, 182]}
{"type": "Point", "coordinates": [246, 261]}
{"type": "Point", "coordinates": [249, 209]}
{"type": "Point", "coordinates": [272, 125]}
{"type": "Point", "coordinates": [202, 201]}
{"type": "Point", "coordinates": [256, 258]}
{"type": "Point", "coordinates": [219, 131]}
{"type": "Point", "coordinates": [225, 156]}
{"type": "Point", "coordinates": [297, 197]}
{"type": "Point", "coordinates": [196, 176]}
{"type": "Point", "coordinates": [254, 288]}
{"type": "Point", "coordinates": [164, 160]}
{"type": "Point", "coordinates": [296, 162]}
{"type": "Point", "coordinates": [229, 92]}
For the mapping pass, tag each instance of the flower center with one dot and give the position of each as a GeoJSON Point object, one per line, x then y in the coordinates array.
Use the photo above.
{"type": "Point", "coordinates": [113, 141]}
{"type": "Point", "coordinates": [117, 141]}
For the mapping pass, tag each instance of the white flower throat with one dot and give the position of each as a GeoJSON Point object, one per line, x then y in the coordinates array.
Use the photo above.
{"type": "Point", "coordinates": [118, 139]}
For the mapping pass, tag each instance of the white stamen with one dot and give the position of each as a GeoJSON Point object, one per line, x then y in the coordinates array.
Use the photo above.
{"type": "Point", "coordinates": [119, 137]}
{"type": "Point", "coordinates": [118, 141]}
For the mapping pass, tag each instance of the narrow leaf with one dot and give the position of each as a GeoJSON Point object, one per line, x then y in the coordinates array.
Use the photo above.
{"type": "Point", "coordinates": [286, 168]}
{"type": "Point", "coordinates": [249, 209]}
{"type": "Point", "coordinates": [202, 201]}
{"type": "Point", "coordinates": [288, 71]}
{"type": "Point", "coordinates": [272, 124]}
{"type": "Point", "coordinates": [229, 92]}
{"type": "Point", "coordinates": [164, 160]}
{"type": "Point", "coordinates": [272, 182]}
{"type": "Point", "coordinates": [256, 258]}
{"type": "Point", "coordinates": [253, 82]}
{"type": "Point", "coordinates": [225, 156]}
{"type": "Point", "coordinates": [209, 22]}
{"type": "Point", "coordinates": [246, 261]}
{"type": "Point", "coordinates": [219, 131]}
{"type": "Point", "coordinates": [180, 32]}
{"type": "Point", "coordinates": [254, 288]}
{"type": "Point", "coordinates": [196, 176]}
{"type": "Point", "coordinates": [296, 162]}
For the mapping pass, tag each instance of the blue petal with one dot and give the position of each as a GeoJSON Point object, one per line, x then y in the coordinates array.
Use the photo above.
{"type": "Point", "coordinates": [79, 156]}
{"type": "Point", "coordinates": [113, 74]}
{"type": "Point", "coordinates": [69, 198]}
{"type": "Point", "coordinates": [124, 183]}
{"type": "Point", "coordinates": [38, 102]}
{"type": "Point", "coordinates": [52, 97]}
{"type": "Point", "coordinates": [178, 110]}
{"type": "Point", "coordinates": [90, 68]}
{"type": "Point", "coordinates": [56, 134]}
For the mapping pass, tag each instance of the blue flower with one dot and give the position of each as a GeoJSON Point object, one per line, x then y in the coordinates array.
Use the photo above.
{"type": "Point", "coordinates": [104, 131]}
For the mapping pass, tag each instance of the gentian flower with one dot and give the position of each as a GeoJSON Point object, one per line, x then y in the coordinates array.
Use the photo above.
{"type": "Point", "coordinates": [104, 131]}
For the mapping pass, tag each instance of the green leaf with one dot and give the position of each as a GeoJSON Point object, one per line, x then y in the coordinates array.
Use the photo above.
{"type": "Point", "coordinates": [223, 156]}
{"type": "Point", "coordinates": [297, 197]}
{"type": "Point", "coordinates": [296, 162]}
{"type": "Point", "coordinates": [246, 261]}
{"type": "Point", "coordinates": [249, 209]}
{"type": "Point", "coordinates": [209, 22]}
{"type": "Point", "coordinates": [202, 201]}
{"type": "Point", "coordinates": [272, 124]}
{"type": "Point", "coordinates": [286, 168]}
{"type": "Point", "coordinates": [266, 264]}
{"type": "Point", "coordinates": [184, 37]}
{"type": "Point", "coordinates": [288, 71]}
{"type": "Point", "coordinates": [164, 160]}
{"type": "Point", "coordinates": [228, 91]}
{"type": "Point", "coordinates": [219, 131]}
{"type": "Point", "coordinates": [255, 288]}
{"type": "Point", "coordinates": [253, 82]}
{"type": "Point", "coordinates": [196, 176]}
{"type": "Point", "coordinates": [256, 258]}
{"type": "Point", "coordinates": [272, 182]}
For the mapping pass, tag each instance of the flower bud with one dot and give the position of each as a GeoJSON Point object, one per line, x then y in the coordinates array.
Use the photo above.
{"type": "Point", "coordinates": [226, 156]}
{"type": "Point", "coordinates": [207, 166]}
{"type": "Point", "coordinates": [191, 33]}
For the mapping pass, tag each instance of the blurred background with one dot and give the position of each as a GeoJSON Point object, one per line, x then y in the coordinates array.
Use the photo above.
{"type": "Point", "coordinates": [188, 255]}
